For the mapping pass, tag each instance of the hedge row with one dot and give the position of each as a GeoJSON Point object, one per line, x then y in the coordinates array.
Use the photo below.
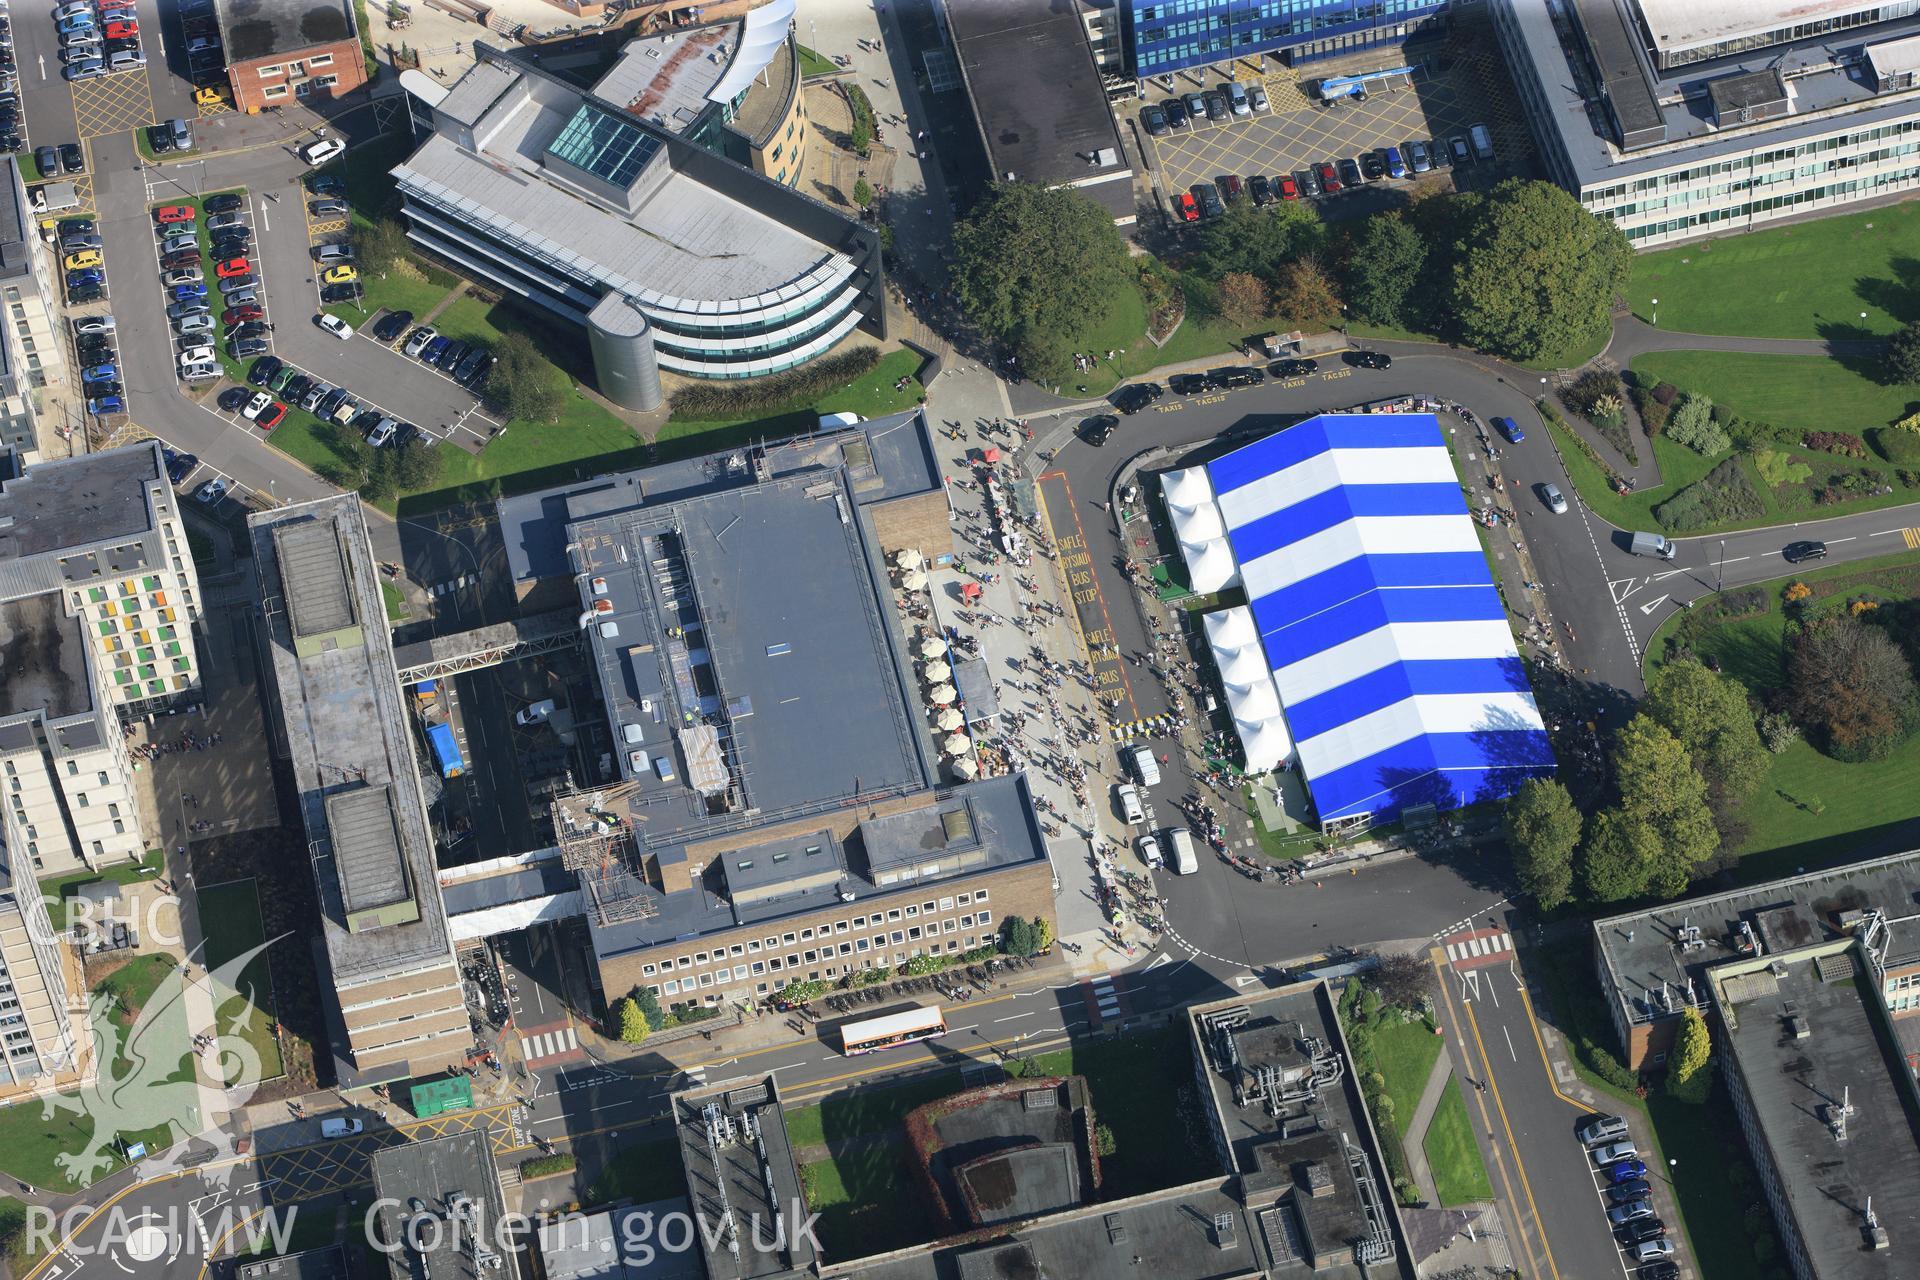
{"type": "Point", "coordinates": [782, 393]}
{"type": "Point", "coordinates": [547, 1166]}
{"type": "Point", "coordinates": [1722, 496]}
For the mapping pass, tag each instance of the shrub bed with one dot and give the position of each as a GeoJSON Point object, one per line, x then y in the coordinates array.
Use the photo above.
{"type": "Point", "coordinates": [547, 1166]}
{"type": "Point", "coordinates": [1840, 442]}
{"type": "Point", "coordinates": [1722, 496]}
{"type": "Point", "coordinates": [795, 389]}
{"type": "Point", "coordinates": [1896, 444]}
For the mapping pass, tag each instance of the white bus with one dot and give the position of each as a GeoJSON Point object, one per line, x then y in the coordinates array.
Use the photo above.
{"type": "Point", "coordinates": [888, 1030]}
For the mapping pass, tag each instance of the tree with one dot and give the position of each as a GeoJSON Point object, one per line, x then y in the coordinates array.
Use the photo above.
{"type": "Point", "coordinates": [523, 385]}
{"type": "Point", "coordinates": [1305, 294]}
{"type": "Point", "coordinates": [649, 1005]}
{"type": "Point", "coordinates": [416, 465]}
{"type": "Point", "coordinates": [1257, 241]}
{"type": "Point", "coordinates": [1691, 1048]}
{"type": "Point", "coordinates": [862, 193]}
{"type": "Point", "coordinates": [629, 1024]}
{"type": "Point", "coordinates": [1661, 831]}
{"type": "Point", "coordinates": [1691, 424]}
{"type": "Point", "coordinates": [1851, 687]}
{"type": "Point", "coordinates": [1103, 1140]}
{"type": "Point", "coordinates": [1536, 274]}
{"type": "Point", "coordinates": [1387, 260]}
{"type": "Point", "coordinates": [380, 246]}
{"type": "Point", "coordinates": [1710, 716]}
{"type": "Point", "coordinates": [1016, 936]}
{"type": "Point", "coordinates": [1042, 933]}
{"type": "Point", "coordinates": [1543, 830]}
{"type": "Point", "coordinates": [1244, 299]}
{"type": "Point", "coordinates": [1901, 358]}
{"type": "Point", "coordinates": [1401, 979]}
{"type": "Point", "coordinates": [1042, 270]}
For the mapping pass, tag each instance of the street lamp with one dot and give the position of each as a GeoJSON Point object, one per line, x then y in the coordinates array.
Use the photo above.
{"type": "Point", "coordinates": [1656, 311]}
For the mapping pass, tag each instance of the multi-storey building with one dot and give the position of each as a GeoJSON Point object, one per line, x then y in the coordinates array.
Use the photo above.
{"type": "Point", "coordinates": [1678, 120]}
{"type": "Point", "coordinates": [775, 808]}
{"type": "Point", "coordinates": [397, 1007]}
{"type": "Point", "coordinates": [40, 1035]}
{"type": "Point", "coordinates": [30, 353]}
{"type": "Point", "coordinates": [667, 253]}
{"type": "Point", "coordinates": [98, 601]}
{"type": "Point", "coordinates": [285, 51]}
{"type": "Point", "coordinates": [1168, 35]}
{"type": "Point", "coordinates": [731, 87]}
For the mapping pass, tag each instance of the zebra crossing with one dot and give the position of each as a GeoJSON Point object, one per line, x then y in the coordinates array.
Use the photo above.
{"type": "Point", "coordinates": [1482, 946]}
{"type": "Point", "coordinates": [540, 1047]}
{"type": "Point", "coordinates": [1103, 1002]}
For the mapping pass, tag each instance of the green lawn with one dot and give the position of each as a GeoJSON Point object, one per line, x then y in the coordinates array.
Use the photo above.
{"type": "Point", "coordinates": [55, 889]}
{"type": "Point", "coordinates": [863, 1111]}
{"type": "Point", "coordinates": [1812, 808]}
{"type": "Point", "coordinates": [230, 921]}
{"type": "Point", "coordinates": [396, 601]}
{"type": "Point", "coordinates": [1810, 280]}
{"type": "Point", "coordinates": [1459, 1174]}
{"type": "Point", "coordinates": [814, 64]}
{"type": "Point", "coordinates": [418, 287]}
{"type": "Point", "coordinates": [1679, 467]}
{"type": "Point", "coordinates": [1811, 393]}
{"type": "Point", "coordinates": [871, 396]}
{"type": "Point", "coordinates": [866, 1201]}
{"type": "Point", "coordinates": [642, 1172]}
{"type": "Point", "coordinates": [1404, 1052]}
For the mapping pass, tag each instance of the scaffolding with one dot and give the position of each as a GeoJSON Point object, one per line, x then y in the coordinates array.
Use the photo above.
{"type": "Point", "coordinates": [598, 845]}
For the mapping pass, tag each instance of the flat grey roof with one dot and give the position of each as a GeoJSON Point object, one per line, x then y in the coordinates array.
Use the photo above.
{"type": "Point", "coordinates": [43, 659]}
{"type": "Point", "coordinates": [760, 1180]}
{"type": "Point", "coordinates": [1683, 24]}
{"type": "Point", "coordinates": [16, 250]}
{"type": "Point", "coordinates": [329, 1263]}
{"type": "Point", "coordinates": [314, 569]}
{"type": "Point", "coordinates": [1795, 1084]}
{"type": "Point", "coordinates": [665, 78]}
{"type": "Point", "coordinates": [890, 457]}
{"type": "Point", "coordinates": [1822, 86]}
{"type": "Point", "coordinates": [783, 639]}
{"type": "Point", "coordinates": [1644, 950]}
{"type": "Point", "coordinates": [366, 847]}
{"type": "Point", "coordinates": [1041, 104]}
{"type": "Point", "coordinates": [254, 29]}
{"type": "Point", "coordinates": [610, 1245]}
{"type": "Point", "coordinates": [346, 728]}
{"type": "Point", "coordinates": [73, 503]}
{"type": "Point", "coordinates": [437, 1171]}
{"type": "Point", "coordinates": [1002, 809]}
{"type": "Point", "coordinates": [682, 245]}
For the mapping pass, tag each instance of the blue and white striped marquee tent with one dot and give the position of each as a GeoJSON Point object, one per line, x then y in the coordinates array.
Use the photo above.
{"type": "Point", "coordinates": [1394, 676]}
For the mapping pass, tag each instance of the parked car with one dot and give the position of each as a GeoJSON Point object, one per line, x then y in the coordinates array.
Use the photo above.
{"type": "Point", "coordinates": [1369, 359]}
{"type": "Point", "coordinates": [1217, 108]}
{"type": "Point", "coordinates": [338, 251]}
{"type": "Point", "coordinates": [258, 401]}
{"type": "Point", "coordinates": [1626, 1171]}
{"type": "Point", "coordinates": [47, 161]}
{"type": "Point", "coordinates": [334, 294]}
{"type": "Point", "coordinates": [95, 324]}
{"type": "Point", "coordinates": [1437, 149]}
{"type": "Point", "coordinates": [82, 260]}
{"type": "Point", "coordinates": [1188, 206]}
{"type": "Point", "coordinates": [1419, 156]}
{"type": "Point", "coordinates": [1211, 205]}
{"type": "Point", "coordinates": [417, 341]}
{"type": "Point", "coordinates": [245, 348]}
{"type": "Point", "coordinates": [101, 406]}
{"type": "Point", "coordinates": [233, 399]}
{"type": "Point", "coordinates": [212, 491]}
{"type": "Point", "coordinates": [72, 158]}
{"type": "Point", "coordinates": [1257, 97]}
{"type": "Point", "coordinates": [1627, 1212]}
{"type": "Point", "coordinates": [1396, 165]}
{"type": "Point", "coordinates": [1136, 396]}
{"type": "Point", "coordinates": [182, 292]}
{"type": "Point", "coordinates": [1330, 176]}
{"type": "Point", "coordinates": [1642, 1229]}
{"type": "Point", "coordinates": [77, 294]}
{"type": "Point", "coordinates": [75, 241]}
{"type": "Point", "coordinates": [91, 275]}
{"type": "Point", "coordinates": [340, 275]}
{"type": "Point", "coordinates": [1098, 429]}
{"type": "Point", "coordinates": [1260, 187]}
{"type": "Point", "coordinates": [382, 431]}
{"type": "Point", "coordinates": [244, 280]}
{"type": "Point", "coordinates": [1229, 377]}
{"type": "Point", "coordinates": [181, 134]}
{"type": "Point", "coordinates": [1293, 368]}
{"type": "Point", "coordinates": [1462, 153]}
{"type": "Point", "coordinates": [185, 275]}
{"type": "Point", "coordinates": [454, 353]}
{"type": "Point", "coordinates": [179, 465]}
{"type": "Point", "coordinates": [1177, 117]}
{"type": "Point", "coordinates": [1652, 1250]}
{"type": "Point", "coordinates": [240, 315]}
{"type": "Point", "coordinates": [101, 373]}
{"type": "Point", "coordinates": [271, 416]}
{"type": "Point", "coordinates": [1373, 165]}
{"type": "Point", "coordinates": [1287, 187]}
{"type": "Point", "coordinates": [1635, 1189]}
{"type": "Point", "coordinates": [1598, 1128]}
{"type": "Point", "coordinates": [1229, 184]}
{"type": "Point", "coordinates": [193, 355]}
{"type": "Point", "coordinates": [224, 203]}
{"type": "Point", "coordinates": [327, 184]}
{"type": "Point", "coordinates": [472, 363]}
{"type": "Point", "coordinates": [336, 326]}
{"type": "Point", "coordinates": [1153, 118]}
{"type": "Point", "coordinates": [318, 153]}
{"type": "Point", "coordinates": [232, 268]}
{"type": "Point", "coordinates": [174, 213]}
{"type": "Point", "coordinates": [327, 208]}
{"type": "Point", "coordinates": [88, 69]}
{"type": "Point", "coordinates": [194, 324]}
{"type": "Point", "coordinates": [1309, 181]}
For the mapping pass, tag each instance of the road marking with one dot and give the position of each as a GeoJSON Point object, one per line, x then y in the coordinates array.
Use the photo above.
{"type": "Point", "coordinates": [1012, 1017]}
{"type": "Point", "coordinates": [1509, 1036]}
{"type": "Point", "coordinates": [1849, 538]}
{"type": "Point", "coordinates": [1651, 605]}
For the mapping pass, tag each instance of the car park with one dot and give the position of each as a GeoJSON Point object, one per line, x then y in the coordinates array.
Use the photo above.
{"type": "Point", "coordinates": [1796, 552]}
{"type": "Point", "coordinates": [1369, 359]}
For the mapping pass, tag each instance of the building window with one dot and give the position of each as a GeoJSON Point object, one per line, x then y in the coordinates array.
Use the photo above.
{"type": "Point", "coordinates": [275, 70]}
{"type": "Point", "coordinates": [274, 91]}
{"type": "Point", "coordinates": [753, 948]}
{"type": "Point", "coordinates": [648, 970]}
{"type": "Point", "coordinates": [319, 60]}
{"type": "Point", "coordinates": [898, 937]}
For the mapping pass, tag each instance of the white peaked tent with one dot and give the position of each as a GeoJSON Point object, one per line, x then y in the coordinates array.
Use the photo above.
{"type": "Point", "coordinates": [1187, 488]}
{"type": "Point", "coordinates": [1251, 697]}
{"type": "Point", "coordinates": [1210, 566]}
{"type": "Point", "coordinates": [1200, 529]}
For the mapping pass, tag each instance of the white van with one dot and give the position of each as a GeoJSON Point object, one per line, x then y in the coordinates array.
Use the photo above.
{"type": "Point", "coordinates": [829, 421]}
{"type": "Point", "coordinates": [339, 1127]}
{"type": "Point", "coordinates": [534, 714]}
{"type": "Point", "coordinates": [1129, 798]}
{"type": "Point", "coordinates": [1145, 767]}
{"type": "Point", "coordinates": [1180, 845]}
{"type": "Point", "coordinates": [318, 153]}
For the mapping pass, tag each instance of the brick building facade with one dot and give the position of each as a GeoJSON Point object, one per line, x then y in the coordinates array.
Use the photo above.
{"type": "Point", "coordinates": [280, 79]}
